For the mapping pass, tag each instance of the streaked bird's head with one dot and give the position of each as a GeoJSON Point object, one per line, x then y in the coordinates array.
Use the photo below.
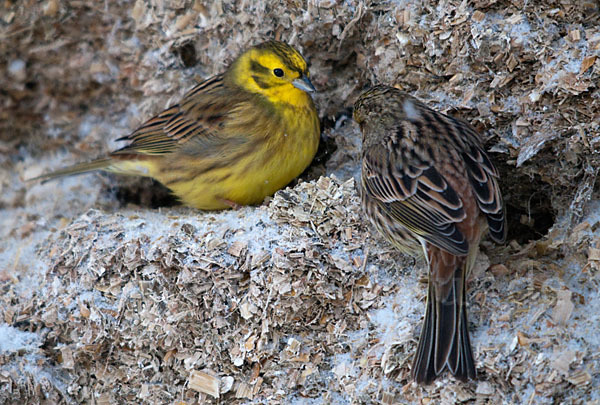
{"type": "Point", "coordinates": [379, 110]}
{"type": "Point", "coordinates": [375, 103]}
{"type": "Point", "coordinates": [273, 69]}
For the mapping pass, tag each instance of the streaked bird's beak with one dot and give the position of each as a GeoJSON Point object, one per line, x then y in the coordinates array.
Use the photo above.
{"type": "Point", "coordinates": [303, 83]}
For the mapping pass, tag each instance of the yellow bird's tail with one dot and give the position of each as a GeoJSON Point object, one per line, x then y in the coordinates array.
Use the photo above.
{"type": "Point", "coordinates": [80, 168]}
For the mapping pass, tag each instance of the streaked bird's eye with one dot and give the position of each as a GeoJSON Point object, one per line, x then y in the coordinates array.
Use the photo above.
{"type": "Point", "coordinates": [278, 72]}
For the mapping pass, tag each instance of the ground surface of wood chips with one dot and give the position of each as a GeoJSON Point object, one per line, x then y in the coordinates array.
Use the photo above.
{"type": "Point", "coordinates": [106, 299]}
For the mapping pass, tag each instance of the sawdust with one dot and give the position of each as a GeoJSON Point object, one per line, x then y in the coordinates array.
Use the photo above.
{"type": "Point", "coordinates": [108, 299]}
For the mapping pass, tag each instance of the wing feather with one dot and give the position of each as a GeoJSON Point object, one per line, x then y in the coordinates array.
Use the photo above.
{"type": "Point", "coordinates": [198, 116]}
{"type": "Point", "coordinates": [419, 198]}
{"type": "Point", "coordinates": [400, 171]}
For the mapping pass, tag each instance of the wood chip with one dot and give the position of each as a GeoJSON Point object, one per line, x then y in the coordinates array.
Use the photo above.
{"type": "Point", "coordinates": [244, 390]}
{"type": "Point", "coordinates": [237, 248]}
{"type": "Point", "coordinates": [580, 378]}
{"type": "Point", "coordinates": [574, 35]}
{"type": "Point", "coordinates": [484, 388]}
{"type": "Point", "coordinates": [564, 307]}
{"type": "Point", "coordinates": [594, 254]}
{"type": "Point", "coordinates": [478, 16]}
{"type": "Point", "coordinates": [563, 361]}
{"type": "Point", "coordinates": [204, 382]}
{"type": "Point", "coordinates": [67, 358]}
{"type": "Point", "coordinates": [587, 63]}
{"type": "Point", "coordinates": [499, 270]}
{"type": "Point", "coordinates": [50, 8]}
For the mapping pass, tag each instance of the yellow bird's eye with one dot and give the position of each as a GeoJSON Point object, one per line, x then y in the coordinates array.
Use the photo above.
{"type": "Point", "coordinates": [278, 72]}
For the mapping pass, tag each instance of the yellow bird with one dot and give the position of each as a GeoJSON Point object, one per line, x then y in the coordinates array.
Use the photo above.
{"type": "Point", "coordinates": [232, 140]}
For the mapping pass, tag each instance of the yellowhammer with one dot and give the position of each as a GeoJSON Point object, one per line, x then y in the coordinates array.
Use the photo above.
{"type": "Point", "coordinates": [429, 187]}
{"type": "Point", "coordinates": [233, 139]}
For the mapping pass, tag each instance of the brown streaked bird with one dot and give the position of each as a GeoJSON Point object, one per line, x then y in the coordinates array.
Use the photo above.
{"type": "Point", "coordinates": [232, 140]}
{"type": "Point", "coordinates": [429, 187]}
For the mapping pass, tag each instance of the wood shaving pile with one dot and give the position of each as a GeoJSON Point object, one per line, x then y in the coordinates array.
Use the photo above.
{"type": "Point", "coordinates": [104, 299]}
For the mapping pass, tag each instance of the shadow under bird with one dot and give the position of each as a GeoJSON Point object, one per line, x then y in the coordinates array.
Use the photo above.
{"type": "Point", "coordinates": [232, 140]}
{"type": "Point", "coordinates": [429, 188]}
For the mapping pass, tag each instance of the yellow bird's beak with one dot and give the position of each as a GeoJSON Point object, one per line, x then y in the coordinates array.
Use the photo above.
{"type": "Point", "coordinates": [303, 83]}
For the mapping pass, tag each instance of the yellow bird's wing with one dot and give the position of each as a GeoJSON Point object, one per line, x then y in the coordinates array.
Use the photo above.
{"type": "Point", "coordinates": [199, 116]}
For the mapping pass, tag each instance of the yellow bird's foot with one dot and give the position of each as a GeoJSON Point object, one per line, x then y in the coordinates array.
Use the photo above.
{"type": "Point", "coordinates": [233, 205]}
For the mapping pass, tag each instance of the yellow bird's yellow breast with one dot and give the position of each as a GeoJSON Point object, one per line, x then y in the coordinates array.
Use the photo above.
{"type": "Point", "coordinates": [277, 144]}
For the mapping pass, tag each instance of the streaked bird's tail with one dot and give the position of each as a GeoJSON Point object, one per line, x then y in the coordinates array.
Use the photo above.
{"type": "Point", "coordinates": [444, 340]}
{"type": "Point", "coordinates": [80, 168]}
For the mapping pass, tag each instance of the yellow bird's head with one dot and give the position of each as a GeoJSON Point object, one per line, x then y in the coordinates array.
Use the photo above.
{"type": "Point", "coordinates": [275, 70]}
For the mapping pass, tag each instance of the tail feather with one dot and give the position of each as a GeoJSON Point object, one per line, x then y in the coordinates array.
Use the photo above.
{"type": "Point", "coordinates": [423, 370]}
{"type": "Point", "coordinates": [444, 340]}
{"type": "Point", "coordinates": [100, 164]}
{"type": "Point", "coordinates": [460, 361]}
{"type": "Point", "coordinates": [446, 321]}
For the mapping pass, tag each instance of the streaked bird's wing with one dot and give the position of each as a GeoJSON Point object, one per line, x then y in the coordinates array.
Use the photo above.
{"type": "Point", "coordinates": [415, 194]}
{"type": "Point", "coordinates": [483, 177]}
{"type": "Point", "coordinates": [481, 171]}
{"type": "Point", "coordinates": [400, 172]}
